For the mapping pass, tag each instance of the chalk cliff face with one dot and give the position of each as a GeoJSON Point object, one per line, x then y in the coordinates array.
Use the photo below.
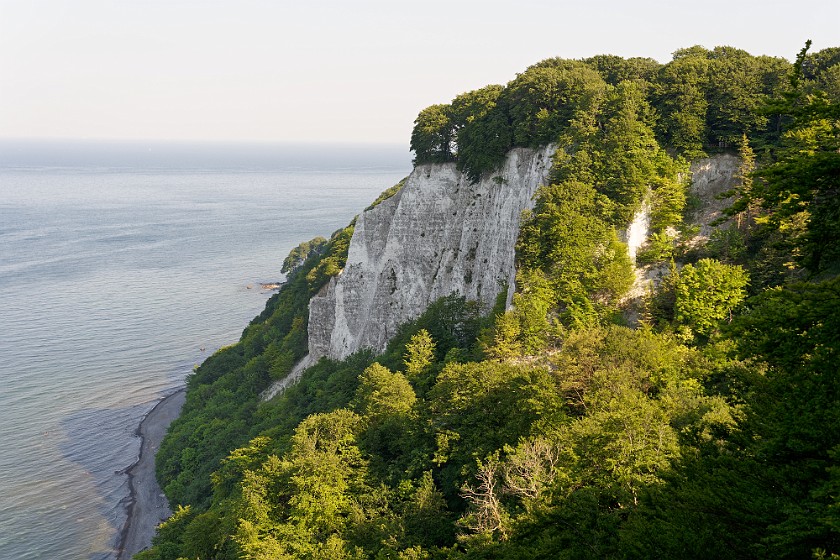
{"type": "Point", "coordinates": [439, 235]}
{"type": "Point", "coordinates": [711, 177]}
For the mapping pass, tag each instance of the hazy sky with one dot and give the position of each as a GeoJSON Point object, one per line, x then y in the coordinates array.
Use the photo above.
{"type": "Point", "coordinates": [330, 70]}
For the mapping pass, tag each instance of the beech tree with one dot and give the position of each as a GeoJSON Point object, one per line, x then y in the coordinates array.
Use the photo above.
{"type": "Point", "coordinates": [680, 97]}
{"type": "Point", "coordinates": [567, 238]}
{"type": "Point", "coordinates": [707, 294]}
{"type": "Point", "coordinates": [802, 189]}
{"type": "Point", "coordinates": [419, 354]}
{"type": "Point", "coordinates": [432, 136]}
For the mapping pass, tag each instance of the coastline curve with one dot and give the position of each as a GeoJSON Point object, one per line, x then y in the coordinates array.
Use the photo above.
{"type": "Point", "coordinates": [146, 505]}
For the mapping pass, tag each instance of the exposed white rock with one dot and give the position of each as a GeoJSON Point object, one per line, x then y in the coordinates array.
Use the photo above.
{"type": "Point", "coordinates": [711, 177]}
{"type": "Point", "coordinates": [290, 379]}
{"type": "Point", "coordinates": [439, 235]}
{"type": "Point", "coordinates": [635, 236]}
{"type": "Point", "coordinates": [637, 231]}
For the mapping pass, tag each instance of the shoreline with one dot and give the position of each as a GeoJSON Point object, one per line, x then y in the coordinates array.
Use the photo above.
{"type": "Point", "coordinates": [147, 506]}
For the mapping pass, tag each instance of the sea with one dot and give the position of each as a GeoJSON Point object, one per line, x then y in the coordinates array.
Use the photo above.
{"type": "Point", "coordinates": [122, 266]}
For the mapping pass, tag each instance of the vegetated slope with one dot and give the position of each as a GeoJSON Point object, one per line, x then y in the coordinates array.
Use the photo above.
{"type": "Point", "coordinates": [549, 430]}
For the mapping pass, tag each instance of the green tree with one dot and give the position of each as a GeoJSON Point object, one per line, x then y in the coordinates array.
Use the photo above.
{"type": "Point", "coordinates": [768, 489]}
{"type": "Point", "coordinates": [801, 189]}
{"type": "Point", "coordinates": [505, 344]}
{"type": "Point", "coordinates": [419, 354]}
{"type": "Point", "coordinates": [565, 491]}
{"type": "Point", "coordinates": [299, 254]}
{"type": "Point", "coordinates": [680, 98]}
{"type": "Point", "coordinates": [432, 136]}
{"type": "Point", "coordinates": [736, 97]}
{"type": "Point", "coordinates": [743, 208]}
{"type": "Point", "coordinates": [532, 304]}
{"type": "Point", "coordinates": [544, 98]}
{"type": "Point", "coordinates": [382, 392]}
{"type": "Point", "coordinates": [475, 409]}
{"type": "Point", "coordinates": [707, 294]}
{"type": "Point", "coordinates": [299, 505]}
{"type": "Point", "coordinates": [481, 130]}
{"type": "Point", "coordinates": [567, 238]}
{"type": "Point", "coordinates": [483, 143]}
{"type": "Point", "coordinates": [615, 69]}
{"type": "Point", "coordinates": [629, 149]}
{"type": "Point", "coordinates": [472, 106]}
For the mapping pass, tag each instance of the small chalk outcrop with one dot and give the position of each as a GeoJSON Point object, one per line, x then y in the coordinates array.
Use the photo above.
{"type": "Point", "coordinates": [710, 178]}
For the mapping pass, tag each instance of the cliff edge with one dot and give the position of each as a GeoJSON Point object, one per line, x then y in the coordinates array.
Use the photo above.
{"type": "Point", "coordinates": [441, 234]}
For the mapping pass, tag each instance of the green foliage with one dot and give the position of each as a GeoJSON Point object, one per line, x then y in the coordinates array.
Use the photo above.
{"type": "Point", "coordinates": [544, 98]}
{"type": "Point", "coordinates": [474, 128]}
{"type": "Point", "coordinates": [743, 207]}
{"type": "Point", "coordinates": [707, 294]}
{"type": "Point", "coordinates": [770, 490]}
{"type": "Point", "coordinates": [680, 97]}
{"type": "Point", "coordinates": [419, 354]}
{"type": "Point", "coordinates": [612, 147]}
{"type": "Point", "coordinates": [668, 198]}
{"type": "Point", "coordinates": [709, 98]}
{"type": "Point", "coordinates": [505, 343]}
{"type": "Point", "coordinates": [567, 239]}
{"type": "Point", "coordinates": [387, 193]}
{"type": "Point", "coordinates": [169, 536]}
{"type": "Point", "coordinates": [442, 132]}
{"type": "Point", "coordinates": [735, 100]}
{"type": "Point", "coordinates": [477, 408]}
{"type": "Point", "coordinates": [383, 393]}
{"type": "Point", "coordinates": [701, 100]}
{"type": "Point", "coordinates": [299, 254]}
{"type": "Point", "coordinates": [532, 304]}
{"type": "Point", "coordinates": [727, 245]}
{"type": "Point", "coordinates": [223, 393]}
{"type": "Point", "coordinates": [323, 387]}
{"type": "Point", "coordinates": [634, 403]}
{"type": "Point", "coordinates": [614, 69]}
{"type": "Point", "coordinates": [385, 400]}
{"type": "Point", "coordinates": [478, 128]}
{"type": "Point", "coordinates": [431, 139]}
{"type": "Point", "coordinates": [452, 323]}
{"type": "Point", "coordinates": [333, 261]}
{"type": "Point", "coordinates": [311, 493]}
{"type": "Point", "coordinates": [660, 247]}
{"type": "Point", "coordinates": [629, 150]}
{"type": "Point", "coordinates": [800, 190]}
{"type": "Point", "coordinates": [483, 144]}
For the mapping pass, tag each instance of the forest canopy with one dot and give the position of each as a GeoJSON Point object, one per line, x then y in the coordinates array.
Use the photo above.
{"type": "Point", "coordinates": [699, 102]}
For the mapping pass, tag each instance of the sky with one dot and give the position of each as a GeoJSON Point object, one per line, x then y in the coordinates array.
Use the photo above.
{"type": "Point", "coordinates": [355, 71]}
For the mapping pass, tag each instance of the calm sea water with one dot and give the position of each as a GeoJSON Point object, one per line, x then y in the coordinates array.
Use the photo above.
{"type": "Point", "coordinates": [121, 267]}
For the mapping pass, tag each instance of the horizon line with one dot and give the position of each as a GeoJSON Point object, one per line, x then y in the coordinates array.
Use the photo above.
{"type": "Point", "coordinates": [33, 139]}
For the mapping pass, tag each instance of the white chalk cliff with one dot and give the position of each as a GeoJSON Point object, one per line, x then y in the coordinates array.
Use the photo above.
{"type": "Point", "coordinates": [442, 234]}
{"type": "Point", "coordinates": [438, 236]}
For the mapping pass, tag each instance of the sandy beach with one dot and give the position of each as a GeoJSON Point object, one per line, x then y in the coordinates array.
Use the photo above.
{"type": "Point", "coordinates": [148, 506]}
